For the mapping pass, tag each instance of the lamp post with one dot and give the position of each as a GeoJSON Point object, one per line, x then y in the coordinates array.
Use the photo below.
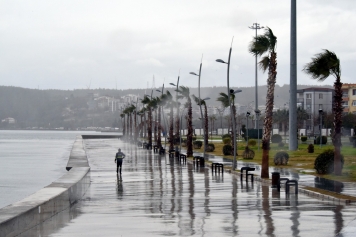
{"type": "Point", "coordinates": [256, 26]}
{"type": "Point", "coordinates": [321, 124]}
{"type": "Point", "coordinates": [200, 102]}
{"type": "Point", "coordinates": [258, 113]}
{"type": "Point", "coordinates": [229, 100]}
{"type": "Point", "coordinates": [247, 115]}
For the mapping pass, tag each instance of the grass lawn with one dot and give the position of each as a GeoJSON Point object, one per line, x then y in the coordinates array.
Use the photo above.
{"type": "Point", "coordinates": [300, 160]}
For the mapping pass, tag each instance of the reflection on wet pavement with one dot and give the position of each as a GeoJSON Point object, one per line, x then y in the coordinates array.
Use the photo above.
{"type": "Point", "coordinates": [155, 196]}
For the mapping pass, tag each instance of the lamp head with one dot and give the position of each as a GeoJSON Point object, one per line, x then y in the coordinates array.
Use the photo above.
{"type": "Point", "coordinates": [247, 114]}
{"type": "Point", "coordinates": [193, 73]}
{"type": "Point", "coordinates": [172, 84]}
{"type": "Point", "coordinates": [220, 61]}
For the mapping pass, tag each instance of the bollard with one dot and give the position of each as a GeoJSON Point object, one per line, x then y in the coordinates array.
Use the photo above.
{"type": "Point", "coordinates": [275, 179]}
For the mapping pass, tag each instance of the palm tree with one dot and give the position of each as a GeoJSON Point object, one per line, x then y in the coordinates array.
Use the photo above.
{"type": "Point", "coordinates": [122, 115]}
{"type": "Point", "coordinates": [260, 45]}
{"type": "Point", "coordinates": [322, 66]}
{"type": "Point", "coordinates": [225, 103]}
{"type": "Point", "coordinates": [281, 117]}
{"type": "Point", "coordinates": [167, 99]}
{"type": "Point", "coordinates": [147, 102]}
{"type": "Point", "coordinates": [185, 93]}
{"type": "Point", "coordinates": [206, 119]}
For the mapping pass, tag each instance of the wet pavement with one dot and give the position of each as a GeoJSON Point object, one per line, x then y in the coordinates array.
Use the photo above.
{"type": "Point", "coordinates": [155, 196]}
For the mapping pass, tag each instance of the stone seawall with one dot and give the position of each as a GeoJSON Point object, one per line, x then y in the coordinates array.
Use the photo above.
{"type": "Point", "coordinates": [52, 199]}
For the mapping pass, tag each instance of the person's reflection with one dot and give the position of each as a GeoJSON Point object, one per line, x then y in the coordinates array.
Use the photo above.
{"type": "Point", "coordinates": [119, 188]}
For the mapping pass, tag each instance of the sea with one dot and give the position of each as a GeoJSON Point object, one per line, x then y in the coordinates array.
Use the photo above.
{"type": "Point", "coordinates": [31, 160]}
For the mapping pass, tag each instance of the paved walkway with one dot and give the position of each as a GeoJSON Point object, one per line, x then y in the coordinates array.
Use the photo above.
{"type": "Point", "coordinates": [157, 197]}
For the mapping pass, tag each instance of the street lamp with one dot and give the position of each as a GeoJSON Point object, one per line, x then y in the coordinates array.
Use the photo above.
{"type": "Point", "coordinates": [200, 102]}
{"type": "Point", "coordinates": [256, 26]}
{"type": "Point", "coordinates": [258, 113]}
{"type": "Point", "coordinates": [229, 100]}
{"type": "Point", "coordinates": [321, 122]}
{"type": "Point", "coordinates": [247, 115]}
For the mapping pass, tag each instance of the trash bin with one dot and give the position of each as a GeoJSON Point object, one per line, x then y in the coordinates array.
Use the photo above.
{"type": "Point", "coordinates": [275, 179]}
{"type": "Point", "coordinates": [202, 162]}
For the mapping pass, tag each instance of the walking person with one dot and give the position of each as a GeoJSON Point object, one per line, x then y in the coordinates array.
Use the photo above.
{"type": "Point", "coordinates": [118, 160]}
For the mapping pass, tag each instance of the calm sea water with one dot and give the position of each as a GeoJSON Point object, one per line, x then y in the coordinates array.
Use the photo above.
{"type": "Point", "coordinates": [31, 160]}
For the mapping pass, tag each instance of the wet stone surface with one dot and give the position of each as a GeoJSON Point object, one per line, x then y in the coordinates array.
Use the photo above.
{"type": "Point", "coordinates": [155, 196]}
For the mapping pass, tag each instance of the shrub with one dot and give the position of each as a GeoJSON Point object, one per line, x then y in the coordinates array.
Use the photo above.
{"type": "Point", "coordinates": [281, 158]}
{"type": "Point", "coordinates": [311, 148]}
{"type": "Point", "coordinates": [324, 140]}
{"type": "Point", "coordinates": [226, 135]}
{"type": "Point", "coordinates": [281, 144]}
{"type": "Point", "coordinates": [210, 147]}
{"type": "Point", "coordinates": [194, 138]}
{"type": "Point", "coordinates": [248, 153]}
{"type": "Point", "coordinates": [197, 144]}
{"type": "Point", "coordinates": [303, 138]}
{"type": "Point", "coordinates": [227, 140]}
{"type": "Point", "coordinates": [227, 150]}
{"type": "Point", "coordinates": [276, 138]}
{"type": "Point", "coordinates": [324, 163]}
{"type": "Point", "coordinates": [252, 142]}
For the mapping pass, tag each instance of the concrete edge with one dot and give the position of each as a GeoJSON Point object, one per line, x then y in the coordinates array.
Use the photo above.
{"type": "Point", "coordinates": [45, 203]}
{"type": "Point", "coordinates": [77, 157]}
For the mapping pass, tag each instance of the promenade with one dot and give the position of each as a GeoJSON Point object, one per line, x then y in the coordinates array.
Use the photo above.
{"type": "Point", "coordinates": [155, 196]}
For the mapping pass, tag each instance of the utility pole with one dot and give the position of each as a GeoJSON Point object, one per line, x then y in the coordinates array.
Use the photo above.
{"type": "Point", "coordinates": [293, 142]}
{"type": "Point", "coordinates": [256, 26]}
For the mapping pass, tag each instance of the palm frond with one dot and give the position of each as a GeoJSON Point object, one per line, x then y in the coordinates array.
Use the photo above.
{"type": "Point", "coordinates": [259, 45]}
{"type": "Point", "coordinates": [264, 63]}
{"type": "Point", "coordinates": [272, 39]}
{"type": "Point", "coordinates": [224, 99]}
{"type": "Point", "coordinates": [322, 65]}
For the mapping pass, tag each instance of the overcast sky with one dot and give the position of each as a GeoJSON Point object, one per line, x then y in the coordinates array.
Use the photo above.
{"type": "Point", "coordinates": [76, 44]}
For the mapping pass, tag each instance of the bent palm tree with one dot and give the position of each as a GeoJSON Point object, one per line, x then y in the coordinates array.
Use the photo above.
{"type": "Point", "coordinates": [147, 102]}
{"type": "Point", "coordinates": [185, 93]}
{"type": "Point", "coordinates": [225, 103]}
{"type": "Point", "coordinates": [322, 66]}
{"type": "Point", "coordinates": [260, 45]}
{"type": "Point", "coordinates": [206, 120]}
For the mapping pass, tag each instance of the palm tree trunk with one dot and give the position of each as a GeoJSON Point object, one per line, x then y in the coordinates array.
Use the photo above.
{"type": "Point", "coordinates": [171, 138]}
{"type": "Point", "coordinates": [135, 125]}
{"type": "Point", "coordinates": [177, 125]}
{"type": "Point", "coordinates": [149, 129]}
{"type": "Point", "coordinates": [190, 130]}
{"type": "Point", "coordinates": [206, 127]}
{"type": "Point", "coordinates": [336, 138]}
{"type": "Point", "coordinates": [159, 143]}
{"type": "Point", "coordinates": [155, 126]}
{"type": "Point", "coordinates": [268, 121]}
{"type": "Point", "coordinates": [130, 115]}
{"type": "Point", "coordinates": [232, 135]}
{"type": "Point", "coordinates": [124, 127]}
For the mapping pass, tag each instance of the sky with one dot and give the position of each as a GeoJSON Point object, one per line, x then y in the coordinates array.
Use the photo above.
{"type": "Point", "coordinates": [80, 44]}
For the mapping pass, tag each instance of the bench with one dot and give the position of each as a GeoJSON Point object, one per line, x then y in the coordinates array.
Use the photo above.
{"type": "Point", "coordinates": [199, 161]}
{"type": "Point", "coordinates": [182, 158]}
{"type": "Point", "coordinates": [155, 149]}
{"type": "Point", "coordinates": [144, 144]}
{"type": "Point", "coordinates": [148, 146]}
{"type": "Point", "coordinates": [246, 169]}
{"type": "Point", "coordinates": [162, 151]}
{"type": "Point", "coordinates": [292, 183]}
{"type": "Point", "coordinates": [279, 183]}
{"type": "Point", "coordinates": [171, 153]}
{"type": "Point", "coordinates": [216, 167]}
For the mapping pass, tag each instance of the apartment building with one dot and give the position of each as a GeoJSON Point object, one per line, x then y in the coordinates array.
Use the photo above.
{"type": "Point", "coordinates": [349, 97]}
{"type": "Point", "coordinates": [312, 100]}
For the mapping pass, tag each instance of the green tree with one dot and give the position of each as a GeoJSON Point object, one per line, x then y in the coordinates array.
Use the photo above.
{"type": "Point", "coordinates": [206, 119]}
{"type": "Point", "coordinates": [323, 65]}
{"type": "Point", "coordinates": [260, 45]}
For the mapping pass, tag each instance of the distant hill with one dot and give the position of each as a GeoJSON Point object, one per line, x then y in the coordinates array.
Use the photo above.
{"type": "Point", "coordinates": [69, 108]}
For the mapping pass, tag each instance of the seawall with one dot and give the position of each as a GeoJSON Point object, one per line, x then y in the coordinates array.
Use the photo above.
{"type": "Point", "coordinates": [52, 199]}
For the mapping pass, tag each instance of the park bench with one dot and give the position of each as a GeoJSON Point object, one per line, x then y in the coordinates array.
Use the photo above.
{"type": "Point", "coordinates": [182, 158]}
{"type": "Point", "coordinates": [162, 151]}
{"type": "Point", "coordinates": [217, 167]}
{"type": "Point", "coordinates": [246, 169]}
{"type": "Point", "coordinates": [155, 148]}
{"type": "Point", "coordinates": [171, 153]}
{"type": "Point", "coordinates": [199, 161]}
